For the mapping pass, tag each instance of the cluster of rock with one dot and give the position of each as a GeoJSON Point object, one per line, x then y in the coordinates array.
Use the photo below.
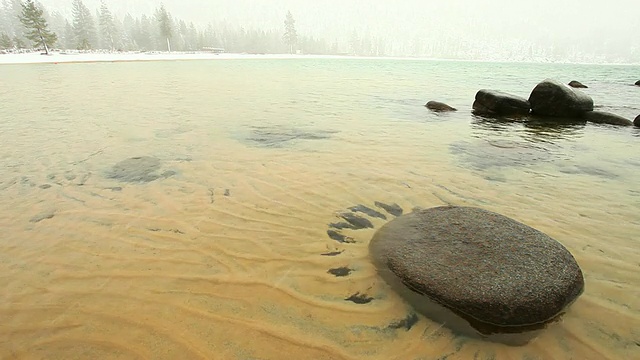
{"type": "Point", "coordinates": [549, 98]}
{"type": "Point", "coordinates": [498, 274]}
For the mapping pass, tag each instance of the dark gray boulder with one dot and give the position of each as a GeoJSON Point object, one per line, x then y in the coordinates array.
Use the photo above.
{"type": "Point", "coordinates": [577, 84]}
{"type": "Point", "coordinates": [496, 273]}
{"type": "Point", "coordinates": [601, 117]}
{"type": "Point", "coordinates": [636, 122]}
{"type": "Point", "coordinates": [551, 98]}
{"type": "Point", "coordinates": [493, 102]}
{"type": "Point", "coordinates": [439, 107]}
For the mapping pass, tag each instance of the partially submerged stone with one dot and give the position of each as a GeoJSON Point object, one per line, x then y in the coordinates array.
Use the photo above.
{"type": "Point", "coordinates": [493, 102]}
{"type": "Point", "coordinates": [439, 106]}
{"type": "Point", "coordinates": [551, 98]}
{"type": "Point", "coordinates": [357, 222]}
{"type": "Point", "coordinates": [577, 84]}
{"type": "Point", "coordinates": [368, 211]}
{"type": "Point", "coordinates": [498, 274]}
{"type": "Point", "coordinates": [393, 209]}
{"type": "Point", "coordinates": [602, 117]}
{"type": "Point", "coordinates": [636, 122]}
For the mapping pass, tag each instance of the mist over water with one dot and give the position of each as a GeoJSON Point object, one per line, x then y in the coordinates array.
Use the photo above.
{"type": "Point", "coordinates": [216, 246]}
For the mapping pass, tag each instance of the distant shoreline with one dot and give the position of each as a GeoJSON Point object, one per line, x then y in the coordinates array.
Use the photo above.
{"type": "Point", "coordinates": [79, 57]}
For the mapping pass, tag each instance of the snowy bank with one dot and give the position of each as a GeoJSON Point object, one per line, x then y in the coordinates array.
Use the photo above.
{"type": "Point", "coordinates": [67, 57]}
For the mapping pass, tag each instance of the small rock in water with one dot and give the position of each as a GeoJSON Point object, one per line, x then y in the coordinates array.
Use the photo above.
{"type": "Point", "coordinates": [359, 298]}
{"type": "Point", "coordinates": [439, 106]}
{"type": "Point", "coordinates": [638, 83]}
{"type": "Point", "coordinates": [601, 117]}
{"type": "Point", "coordinates": [406, 323]}
{"type": "Point", "coordinates": [43, 216]}
{"type": "Point", "coordinates": [393, 209]}
{"type": "Point", "coordinates": [636, 122]}
{"type": "Point", "coordinates": [340, 272]}
{"type": "Point", "coordinates": [339, 237]}
{"type": "Point", "coordinates": [341, 225]}
{"type": "Point", "coordinates": [357, 221]}
{"type": "Point", "coordinates": [577, 84]}
{"type": "Point", "coordinates": [367, 210]}
{"type": "Point", "coordinates": [332, 253]}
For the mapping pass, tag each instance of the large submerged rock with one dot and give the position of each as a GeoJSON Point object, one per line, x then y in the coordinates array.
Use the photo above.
{"type": "Point", "coordinates": [498, 274]}
{"type": "Point", "coordinates": [552, 98]}
{"type": "Point", "coordinates": [138, 170]}
{"type": "Point", "coordinates": [602, 117]}
{"type": "Point", "coordinates": [493, 102]}
{"type": "Point", "coordinates": [638, 83]}
{"type": "Point", "coordinates": [636, 122]}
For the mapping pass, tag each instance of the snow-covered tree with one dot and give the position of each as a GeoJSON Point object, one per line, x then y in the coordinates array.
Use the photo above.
{"type": "Point", "coordinates": [83, 25]}
{"type": "Point", "coordinates": [107, 26]}
{"type": "Point", "coordinates": [5, 41]}
{"type": "Point", "coordinates": [290, 36]}
{"type": "Point", "coordinates": [166, 27]}
{"type": "Point", "coordinates": [37, 29]}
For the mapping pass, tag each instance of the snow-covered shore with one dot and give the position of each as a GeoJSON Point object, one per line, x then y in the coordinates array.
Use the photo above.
{"type": "Point", "coordinates": [62, 57]}
{"type": "Point", "coordinates": [82, 57]}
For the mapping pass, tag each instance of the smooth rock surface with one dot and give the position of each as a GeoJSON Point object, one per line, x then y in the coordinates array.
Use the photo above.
{"type": "Point", "coordinates": [439, 106]}
{"type": "Point", "coordinates": [498, 274]}
{"type": "Point", "coordinates": [551, 98]}
{"type": "Point", "coordinates": [577, 84]}
{"type": "Point", "coordinates": [601, 117]}
{"type": "Point", "coordinates": [636, 122]}
{"type": "Point", "coordinates": [493, 102]}
{"type": "Point", "coordinates": [638, 83]}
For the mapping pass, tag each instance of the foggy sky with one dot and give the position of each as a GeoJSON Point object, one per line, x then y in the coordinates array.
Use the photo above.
{"type": "Point", "coordinates": [587, 22]}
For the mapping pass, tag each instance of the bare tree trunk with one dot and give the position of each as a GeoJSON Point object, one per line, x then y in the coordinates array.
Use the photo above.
{"type": "Point", "coordinates": [44, 43]}
{"type": "Point", "coordinates": [168, 45]}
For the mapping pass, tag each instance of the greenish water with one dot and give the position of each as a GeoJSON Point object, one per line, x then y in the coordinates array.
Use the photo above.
{"type": "Point", "coordinates": [220, 255]}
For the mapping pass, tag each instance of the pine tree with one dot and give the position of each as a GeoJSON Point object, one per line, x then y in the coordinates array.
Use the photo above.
{"type": "Point", "coordinates": [69, 36]}
{"type": "Point", "coordinates": [290, 36]}
{"type": "Point", "coordinates": [19, 43]}
{"type": "Point", "coordinates": [142, 34]}
{"type": "Point", "coordinates": [164, 21]}
{"type": "Point", "coordinates": [107, 27]}
{"type": "Point", "coordinates": [83, 25]}
{"type": "Point", "coordinates": [37, 28]}
{"type": "Point", "coordinates": [11, 19]}
{"type": "Point", "coordinates": [5, 42]}
{"type": "Point", "coordinates": [56, 23]}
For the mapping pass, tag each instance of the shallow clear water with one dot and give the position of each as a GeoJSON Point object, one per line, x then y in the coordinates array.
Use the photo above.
{"type": "Point", "coordinates": [222, 257]}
